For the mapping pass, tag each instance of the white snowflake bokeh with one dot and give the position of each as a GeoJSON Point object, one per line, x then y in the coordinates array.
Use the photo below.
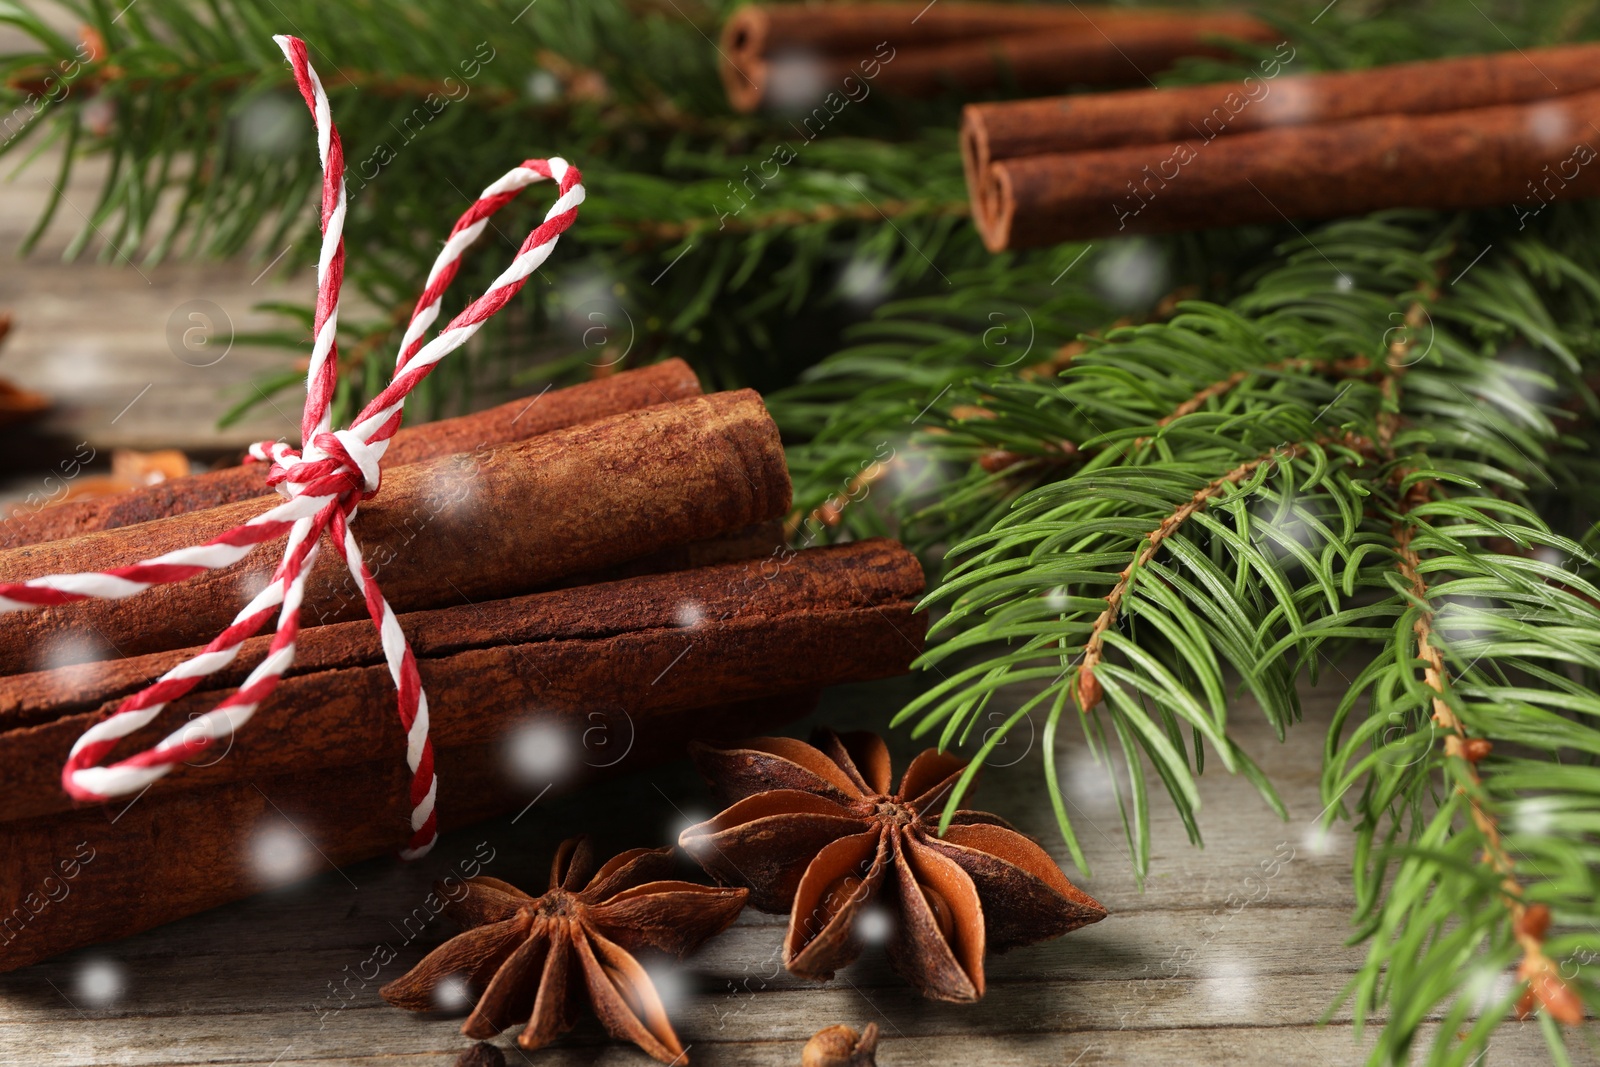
{"type": "Point", "coordinates": [1231, 984]}
{"type": "Point", "coordinates": [1131, 274]}
{"type": "Point", "coordinates": [280, 854]}
{"type": "Point", "coordinates": [1534, 816]}
{"type": "Point", "coordinates": [685, 819]}
{"type": "Point", "coordinates": [1288, 103]}
{"type": "Point", "coordinates": [1486, 987]}
{"type": "Point", "coordinates": [1551, 125]}
{"type": "Point", "coordinates": [1551, 557]}
{"type": "Point", "coordinates": [864, 282]}
{"type": "Point", "coordinates": [99, 983]}
{"type": "Point", "coordinates": [1276, 528]}
{"type": "Point", "coordinates": [454, 491]}
{"type": "Point", "coordinates": [1318, 840]}
{"type": "Point", "coordinates": [271, 125]}
{"type": "Point", "coordinates": [539, 753]}
{"type": "Point", "coordinates": [74, 650]}
{"type": "Point", "coordinates": [674, 985]}
{"type": "Point", "coordinates": [543, 87]}
{"type": "Point", "coordinates": [1463, 618]}
{"type": "Point", "coordinates": [251, 581]}
{"type": "Point", "coordinates": [452, 995]}
{"type": "Point", "coordinates": [874, 925]}
{"type": "Point", "coordinates": [796, 81]}
{"type": "Point", "coordinates": [1088, 783]}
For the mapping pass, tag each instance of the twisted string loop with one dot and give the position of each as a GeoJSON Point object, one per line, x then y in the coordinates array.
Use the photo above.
{"type": "Point", "coordinates": [323, 483]}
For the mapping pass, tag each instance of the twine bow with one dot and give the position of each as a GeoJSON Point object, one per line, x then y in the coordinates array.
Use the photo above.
{"type": "Point", "coordinates": [323, 483]}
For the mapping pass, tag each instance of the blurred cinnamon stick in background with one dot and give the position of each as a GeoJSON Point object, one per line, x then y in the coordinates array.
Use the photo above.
{"type": "Point", "coordinates": [760, 633]}
{"type": "Point", "coordinates": [16, 403]}
{"type": "Point", "coordinates": [1477, 131]}
{"type": "Point", "coordinates": [514, 421]}
{"type": "Point", "coordinates": [793, 55]}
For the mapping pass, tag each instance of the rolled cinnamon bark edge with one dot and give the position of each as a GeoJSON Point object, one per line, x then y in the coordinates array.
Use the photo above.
{"type": "Point", "coordinates": [639, 646]}
{"type": "Point", "coordinates": [105, 871]}
{"type": "Point", "coordinates": [991, 132]}
{"type": "Point", "coordinates": [1518, 156]}
{"type": "Point", "coordinates": [515, 420]}
{"type": "Point", "coordinates": [88, 879]}
{"type": "Point", "coordinates": [500, 522]}
{"type": "Point", "coordinates": [968, 46]}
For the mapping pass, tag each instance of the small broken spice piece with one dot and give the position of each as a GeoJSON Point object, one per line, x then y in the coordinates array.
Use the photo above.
{"type": "Point", "coordinates": [534, 957]}
{"type": "Point", "coordinates": [816, 831]}
{"type": "Point", "coordinates": [840, 1046]}
{"type": "Point", "coordinates": [482, 1054]}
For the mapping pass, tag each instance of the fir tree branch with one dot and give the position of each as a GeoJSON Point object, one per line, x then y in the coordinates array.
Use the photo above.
{"type": "Point", "coordinates": [1463, 754]}
{"type": "Point", "coordinates": [1089, 691]}
{"type": "Point", "coordinates": [1285, 563]}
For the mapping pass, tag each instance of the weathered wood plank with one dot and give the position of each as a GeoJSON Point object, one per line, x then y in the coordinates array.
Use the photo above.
{"type": "Point", "coordinates": [135, 356]}
{"type": "Point", "coordinates": [1217, 960]}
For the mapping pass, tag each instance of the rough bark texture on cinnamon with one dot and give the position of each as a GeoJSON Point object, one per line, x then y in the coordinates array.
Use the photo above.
{"type": "Point", "coordinates": [79, 878]}
{"type": "Point", "coordinates": [515, 421]}
{"type": "Point", "coordinates": [919, 48]}
{"type": "Point", "coordinates": [991, 132]}
{"type": "Point", "coordinates": [480, 526]}
{"type": "Point", "coordinates": [1517, 157]}
{"type": "Point", "coordinates": [637, 646]}
{"type": "Point", "coordinates": [631, 671]}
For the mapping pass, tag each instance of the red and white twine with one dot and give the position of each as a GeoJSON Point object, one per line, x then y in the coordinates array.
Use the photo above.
{"type": "Point", "coordinates": [323, 483]}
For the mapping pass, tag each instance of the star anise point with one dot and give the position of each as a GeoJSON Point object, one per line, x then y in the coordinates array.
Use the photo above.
{"type": "Point", "coordinates": [533, 957]}
{"type": "Point", "coordinates": [819, 831]}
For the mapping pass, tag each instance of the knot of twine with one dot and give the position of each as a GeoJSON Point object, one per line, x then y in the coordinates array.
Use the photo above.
{"type": "Point", "coordinates": [322, 483]}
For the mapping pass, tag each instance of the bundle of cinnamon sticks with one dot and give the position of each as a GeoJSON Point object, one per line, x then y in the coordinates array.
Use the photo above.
{"type": "Point", "coordinates": [1518, 129]}
{"type": "Point", "coordinates": [797, 55]}
{"type": "Point", "coordinates": [604, 561]}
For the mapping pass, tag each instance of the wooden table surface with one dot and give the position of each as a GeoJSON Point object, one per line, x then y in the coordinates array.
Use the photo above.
{"type": "Point", "coordinates": [115, 345]}
{"type": "Point", "coordinates": [1212, 961]}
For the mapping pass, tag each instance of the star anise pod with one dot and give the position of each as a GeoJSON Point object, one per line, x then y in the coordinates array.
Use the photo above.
{"type": "Point", "coordinates": [815, 831]}
{"type": "Point", "coordinates": [535, 958]}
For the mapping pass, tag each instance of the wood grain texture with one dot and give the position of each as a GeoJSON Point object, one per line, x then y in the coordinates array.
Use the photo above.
{"type": "Point", "coordinates": [1212, 963]}
{"type": "Point", "coordinates": [94, 335]}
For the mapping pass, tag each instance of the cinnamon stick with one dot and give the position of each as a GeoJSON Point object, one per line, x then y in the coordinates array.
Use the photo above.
{"type": "Point", "coordinates": [98, 874]}
{"type": "Point", "coordinates": [917, 48]}
{"type": "Point", "coordinates": [991, 132]}
{"type": "Point", "coordinates": [496, 522]}
{"type": "Point", "coordinates": [1103, 120]}
{"type": "Point", "coordinates": [623, 658]}
{"type": "Point", "coordinates": [514, 421]}
{"type": "Point", "coordinates": [750, 542]}
{"type": "Point", "coordinates": [1517, 156]}
{"type": "Point", "coordinates": [750, 628]}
